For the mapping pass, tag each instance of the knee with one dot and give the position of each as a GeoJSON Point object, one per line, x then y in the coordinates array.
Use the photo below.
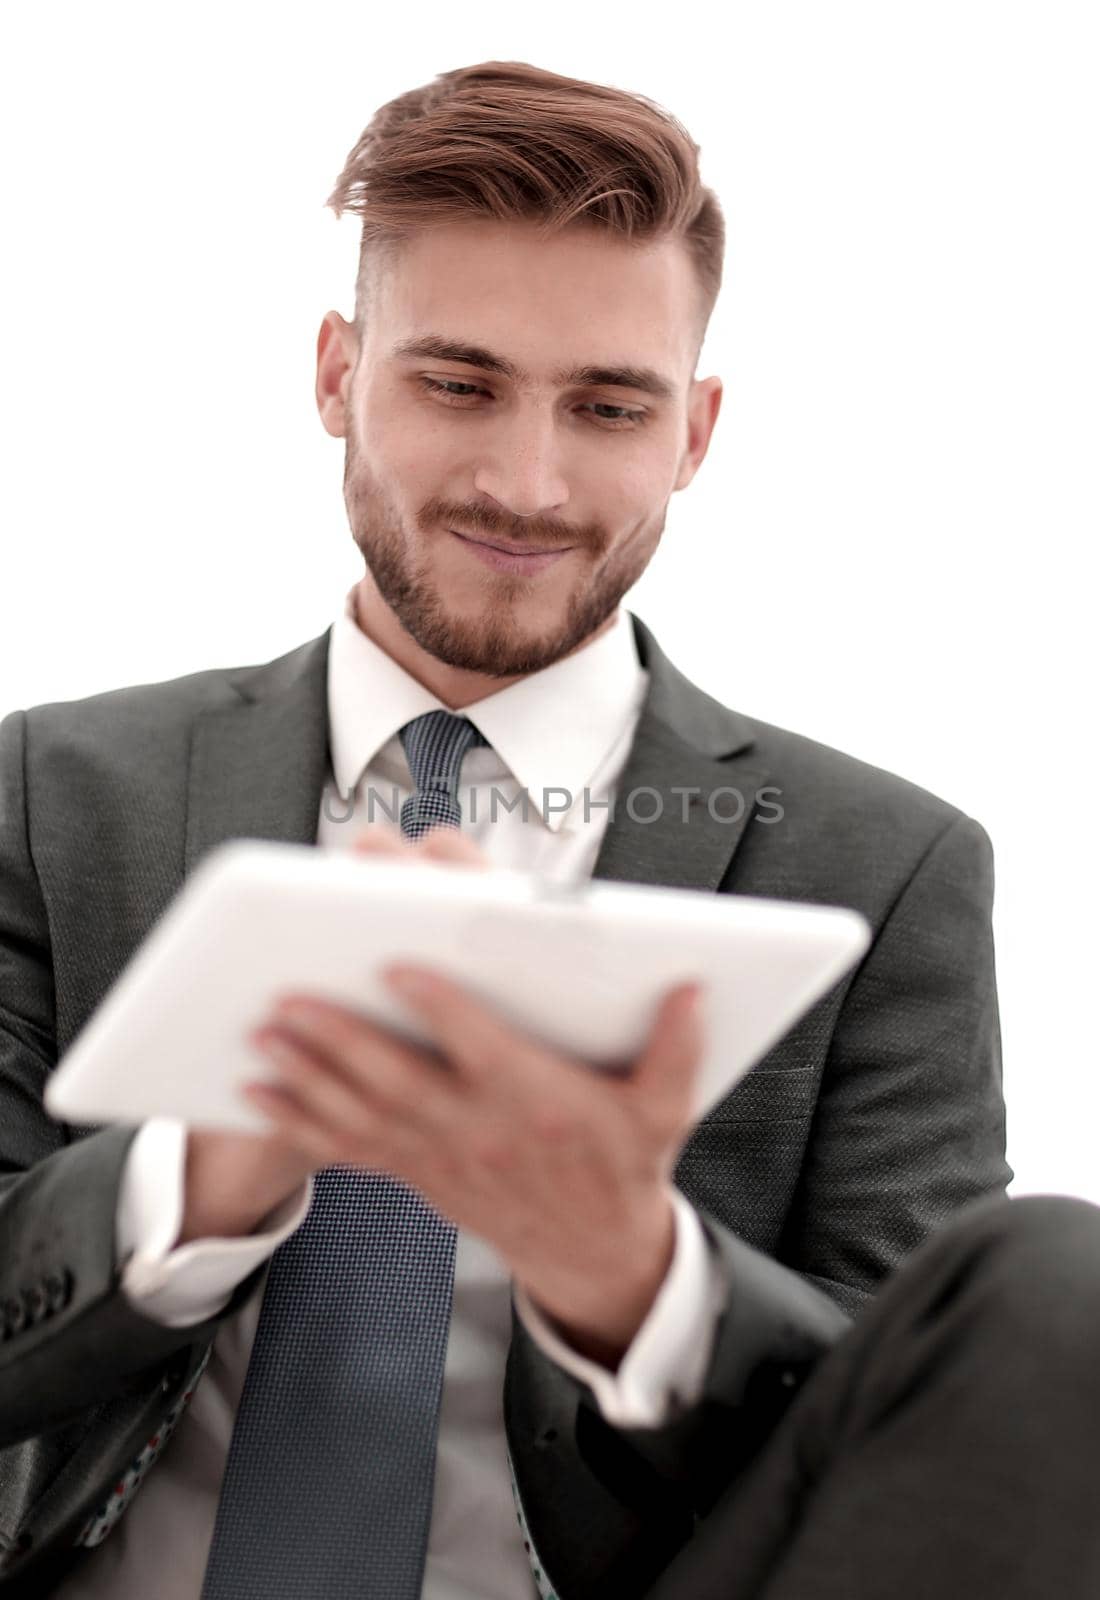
{"type": "Point", "coordinates": [1048, 1233]}
{"type": "Point", "coordinates": [1037, 1279]}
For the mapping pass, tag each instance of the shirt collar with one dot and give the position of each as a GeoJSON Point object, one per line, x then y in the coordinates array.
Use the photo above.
{"type": "Point", "coordinates": [552, 730]}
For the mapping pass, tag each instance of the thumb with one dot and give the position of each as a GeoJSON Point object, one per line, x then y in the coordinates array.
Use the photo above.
{"type": "Point", "coordinates": [378, 838]}
{"type": "Point", "coordinates": [665, 1073]}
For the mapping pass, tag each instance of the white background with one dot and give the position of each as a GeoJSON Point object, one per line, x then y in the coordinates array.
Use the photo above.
{"type": "Point", "coordinates": [891, 545]}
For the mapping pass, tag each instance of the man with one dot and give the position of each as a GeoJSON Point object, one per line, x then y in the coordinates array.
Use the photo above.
{"type": "Point", "coordinates": [232, 1366]}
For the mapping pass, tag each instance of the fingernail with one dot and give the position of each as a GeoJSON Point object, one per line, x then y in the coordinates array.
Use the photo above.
{"type": "Point", "coordinates": [279, 1051]}
{"type": "Point", "coordinates": [299, 1010]}
{"type": "Point", "coordinates": [408, 981]}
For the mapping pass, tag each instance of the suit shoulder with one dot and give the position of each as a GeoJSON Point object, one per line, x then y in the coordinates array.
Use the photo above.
{"type": "Point", "coordinates": [830, 791]}
{"type": "Point", "coordinates": [845, 832]}
{"type": "Point", "coordinates": [135, 701]}
{"type": "Point", "coordinates": [151, 709]}
{"type": "Point", "coordinates": [838, 784]}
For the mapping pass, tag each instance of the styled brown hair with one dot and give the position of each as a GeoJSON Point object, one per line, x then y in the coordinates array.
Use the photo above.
{"type": "Point", "coordinates": [509, 141]}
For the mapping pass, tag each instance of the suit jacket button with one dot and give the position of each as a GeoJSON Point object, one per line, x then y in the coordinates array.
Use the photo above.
{"type": "Point", "coordinates": [14, 1314]}
{"type": "Point", "coordinates": [35, 1300]}
{"type": "Point", "coordinates": [57, 1292]}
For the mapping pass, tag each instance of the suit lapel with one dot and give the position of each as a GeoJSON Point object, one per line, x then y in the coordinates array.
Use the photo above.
{"type": "Point", "coordinates": [700, 807]}
{"type": "Point", "coordinates": [258, 767]}
{"type": "Point", "coordinates": [687, 793]}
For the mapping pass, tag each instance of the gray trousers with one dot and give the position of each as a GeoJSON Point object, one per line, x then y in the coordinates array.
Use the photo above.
{"type": "Point", "coordinates": [948, 1448]}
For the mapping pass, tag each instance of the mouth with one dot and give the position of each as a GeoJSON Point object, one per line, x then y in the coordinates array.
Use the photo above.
{"type": "Point", "coordinates": [511, 557]}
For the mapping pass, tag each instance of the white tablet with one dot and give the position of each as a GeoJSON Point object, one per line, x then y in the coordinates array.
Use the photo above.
{"type": "Point", "coordinates": [579, 968]}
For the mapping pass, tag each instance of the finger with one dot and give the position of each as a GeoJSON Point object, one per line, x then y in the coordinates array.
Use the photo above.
{"type": "Point", "coordinates": [284, 1113]}
{"type": "Point", "coordinates": [441, 843]}
{"type": "Point", "coordinates": [328, 1094]}
{"type": "Point", "coordinates": [481, 1045]}
{"type": "Point", "coordinates": [378, 838]}
{"type": "Point", "coordinates": [398, 1080]}
{"type": "Point", "coordinates": [664, 1077]}
{"type": "Point", "coordinates": [451, 845]}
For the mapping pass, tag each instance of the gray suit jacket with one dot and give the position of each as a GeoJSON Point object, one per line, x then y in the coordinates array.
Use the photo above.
{"type": "Point", "coordinates": [868, 1126]}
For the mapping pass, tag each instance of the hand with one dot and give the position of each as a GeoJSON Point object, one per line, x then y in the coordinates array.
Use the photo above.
{"type": "Point", "coordinates": [566, 1171]}
{"type": "Point", "coordinates": [232, 1180]}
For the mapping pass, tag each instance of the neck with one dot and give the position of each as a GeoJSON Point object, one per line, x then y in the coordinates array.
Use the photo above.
{"type": "Point", "coordinates": [456, 687]}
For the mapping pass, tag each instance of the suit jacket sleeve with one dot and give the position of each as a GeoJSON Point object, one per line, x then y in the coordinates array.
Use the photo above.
{"type": "Point", "coordinates": [910, 1120]}
{"type": "Point", "coordinates": [83, 1374]}
{"type": "Point", "coordinates": [909, 1126]}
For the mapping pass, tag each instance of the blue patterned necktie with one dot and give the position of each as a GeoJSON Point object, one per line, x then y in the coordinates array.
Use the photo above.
{"type": "Point", "coordinates": [327, 1493]}
{"type": "Point", "coordinates": [435, 745]}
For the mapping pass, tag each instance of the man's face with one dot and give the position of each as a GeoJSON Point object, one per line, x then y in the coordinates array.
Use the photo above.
{"type": "Point", "coordinates": [445, 455]}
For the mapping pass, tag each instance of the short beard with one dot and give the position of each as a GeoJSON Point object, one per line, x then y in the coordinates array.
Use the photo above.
{"type": "Point", "coordinates": [489, 646]}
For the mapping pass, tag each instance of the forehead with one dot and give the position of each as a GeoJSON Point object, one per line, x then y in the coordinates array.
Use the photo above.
{"type": "Point", "coordinates": [576, 298]}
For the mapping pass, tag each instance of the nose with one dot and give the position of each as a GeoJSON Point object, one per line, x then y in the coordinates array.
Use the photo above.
{"type": "Point", "coordinates": [522, 475]}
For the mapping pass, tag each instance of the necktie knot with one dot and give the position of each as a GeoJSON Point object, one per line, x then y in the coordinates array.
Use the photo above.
{"type": "Point", "coordinates": [434, 746]}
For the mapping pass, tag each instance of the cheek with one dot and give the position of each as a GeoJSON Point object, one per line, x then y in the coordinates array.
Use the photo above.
{"type": "Point", "coordinates": [634, 499]}
{"type": "Point", "coordinates": [420, 461]}
{"type": "Point", "coordinates": [397, 431]}
{"type": "Point", "coordinates": [635, 472]}
{"type": "Point", "coordinates": [638, 534]}
{"type": "Point", "coordinates": [402, 463]}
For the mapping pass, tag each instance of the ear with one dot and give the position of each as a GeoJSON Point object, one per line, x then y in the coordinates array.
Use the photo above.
{"type": "Point", "coordinates": [337, 349]}
{"type": "Point", "coordinates": [704, 401]}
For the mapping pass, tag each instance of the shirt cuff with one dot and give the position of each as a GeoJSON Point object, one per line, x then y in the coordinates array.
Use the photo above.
{"type": "Point", "coordinates": [663, 1370]}
{"type": "Point", "coordinates": [194, 1282]}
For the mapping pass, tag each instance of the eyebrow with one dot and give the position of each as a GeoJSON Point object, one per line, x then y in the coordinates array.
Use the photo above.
{"type": "Point", "coordinates": [627, 376]}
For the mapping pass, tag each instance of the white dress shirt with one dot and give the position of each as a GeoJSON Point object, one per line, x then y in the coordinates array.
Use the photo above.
{"type": "Point", "coordinates": [556, 733]}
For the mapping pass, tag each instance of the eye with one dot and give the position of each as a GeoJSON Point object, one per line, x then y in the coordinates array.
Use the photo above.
{"type": "Point", "coordinates": [447, 390]}
{"type": "Point", "coordinates": [449, 386]}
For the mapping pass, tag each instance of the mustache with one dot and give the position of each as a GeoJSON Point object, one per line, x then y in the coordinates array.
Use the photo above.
{"type": "Point", "coordinates": [483, 522]}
